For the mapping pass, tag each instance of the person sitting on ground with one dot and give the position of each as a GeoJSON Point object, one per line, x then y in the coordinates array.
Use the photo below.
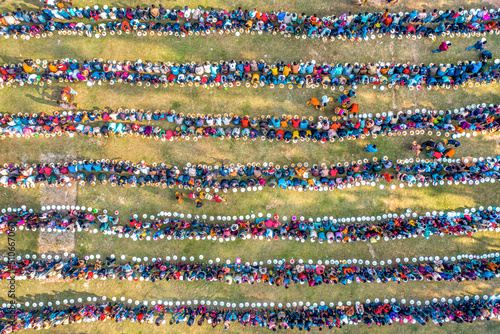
{"type": "Point", "coordinates": [65, 105]}
{"type": "Point", "coordinates": [485, 55]}
{"type": "Point", "coordinates": [178, 197]}
{"type": "Point", "coordinates": [354, 109]}
{"type": "Point", "coordinates": [429, 144]}
{"type": "Point", "coordinates": [479, 46]}
{"type": "Point", "coordinates": [324, 101]}
{"type": "Point", "coordinates": [415, 147]}
{"type": "Point", "coordinates": [453, 142]}
{"type": "Point", "coordinates": [442, 47]}
{"type": "Point", "coordinates": [344, 99]}
{"type": "Point", "coordinates": [372, 148]}
{"type": "Point", "coordinates": [314, 102]}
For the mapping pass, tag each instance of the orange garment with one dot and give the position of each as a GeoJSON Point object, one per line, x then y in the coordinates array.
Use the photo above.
{"type": "Point", "coordinates": [449, 153]}
{"type": "Point", "coordinates": [492, 25]}
{"type": "Point", "coordinates": [125, 26]}
{"type": "Point", "coordinates": [493, 266]}
{"type": "Point", "coordinates": [354, 108]}
{"type": "Point", "coordinates": [314, 101]}
{"type": "Point", "coordinates": [348, 271]}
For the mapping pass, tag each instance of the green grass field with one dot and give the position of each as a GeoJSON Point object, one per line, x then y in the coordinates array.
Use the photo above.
{"type": "Point", "coordinates": [254, 102]}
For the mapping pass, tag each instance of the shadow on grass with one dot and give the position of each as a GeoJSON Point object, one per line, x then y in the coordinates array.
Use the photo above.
{"type": "Point", "coordinates": [58, 295]}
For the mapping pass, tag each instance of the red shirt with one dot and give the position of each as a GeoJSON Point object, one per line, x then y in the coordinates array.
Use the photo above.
{"type": "Point", "coordinates": [443, 46]}
{"type": "Point", "coordinates": [388, 177]}
{"type": "Point", "coordinates": [437, 155]}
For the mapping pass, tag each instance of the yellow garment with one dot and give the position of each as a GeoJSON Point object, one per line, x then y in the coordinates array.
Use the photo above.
{"type": "Point", "coordinates": [274, 70]}
{"type": "Point", "coordinates": [27, 68]}
{"type": "Point", "coordinates": [286, 71]}
{"type": "Point", "coordinates": [300, 171]}
{"type": "Point", "coordinates": [255, 78]}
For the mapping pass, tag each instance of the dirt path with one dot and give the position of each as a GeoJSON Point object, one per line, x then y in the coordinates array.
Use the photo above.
{"type": "Point", "coordinates": [371, 250]}
{"type": "Point", "coordinates": [495, 3]}
{"type": "Point", "coordinates": [52, 241]}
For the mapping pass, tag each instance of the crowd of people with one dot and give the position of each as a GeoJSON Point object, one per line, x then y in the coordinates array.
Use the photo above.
{"type": "Point", "coordinates": [283, 273]}
{"type": "Point", "coordinates": [198, 21]}
{"type": "Point", "coordinates": [437, 150]}
{"type": "Point", "coordinates": [251, 73]}
{"type": "Point", "coordinates": [477, 118]}
{"type": "Point", "coordinates": [326, 229]}
{"type": "Point", "coordinates": [376, 313]}
{"type": "Point", "coordinates": [227, 177]}
{"type": "Point", "coordinates": [157, 20]}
